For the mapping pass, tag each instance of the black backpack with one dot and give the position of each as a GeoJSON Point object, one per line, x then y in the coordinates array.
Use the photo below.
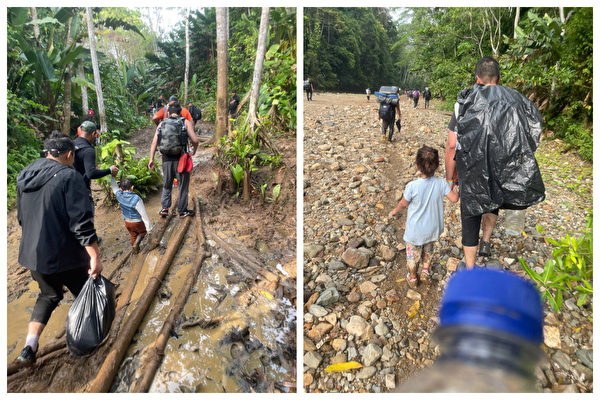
{"type": "Point", "coordinates": [306, 85]}
{"type": "Point", "coordinates": [195, 112]}
{"type": "Point", "coordinates": [386, 111]}
{"type": "Point", "coordinates": [173, 137]}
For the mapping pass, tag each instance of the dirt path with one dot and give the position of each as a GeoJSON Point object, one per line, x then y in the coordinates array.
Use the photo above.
{"type": "Point", "coordinates": [251, 348]}
{"type": "Point", "coordinates": [357, 301]}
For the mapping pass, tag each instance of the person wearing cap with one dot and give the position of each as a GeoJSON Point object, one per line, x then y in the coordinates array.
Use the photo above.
{"type": "Point", "coordinates": [163, 112]}
{"type": "Point", "coordinates": [85, 156]}
{"type": "Point", "coordinates": [170, 162]}
{"type": "Point", "coordinates": [59, 245]}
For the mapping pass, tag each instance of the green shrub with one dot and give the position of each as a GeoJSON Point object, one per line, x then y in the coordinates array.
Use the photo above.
{"type": "Point", "coordinates": [144, 180]}
{"type": "Point", "coordinates": [569, 270]}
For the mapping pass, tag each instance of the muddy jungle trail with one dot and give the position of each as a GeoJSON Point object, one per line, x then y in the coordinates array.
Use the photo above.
{"type": "Point", "coordinates": [357, 303]}
{"type": "Point", "coordinates": [206, 305]}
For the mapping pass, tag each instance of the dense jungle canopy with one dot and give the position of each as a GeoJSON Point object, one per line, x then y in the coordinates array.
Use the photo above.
{"type": "Point", "coordinates": [545, 53]}
{"type": "Point", "coordinates": [141, 55]}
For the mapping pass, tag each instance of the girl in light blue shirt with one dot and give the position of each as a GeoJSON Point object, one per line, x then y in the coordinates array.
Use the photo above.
{"type": "Point", "coordinates": [424, 198]}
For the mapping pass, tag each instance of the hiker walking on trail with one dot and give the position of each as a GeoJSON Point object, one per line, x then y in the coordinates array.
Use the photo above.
{"type": "Point", "coordinates": [234, 102]}
{"type": "Point", "coordinates": [427, 96]}
{"type": "Point", "coordinates": [132, 207]}
{"type": "Point", "coordinates": [492, 137]}
{"type": "Point", "coordinates": [58, 243]}
{"type": "Point", "coordinates": [424, 199]}
{"type": "Point", "coordinates": [308, 86]}
{"type": "Point", "coordinates": [368, 94]}
{"type": "Point", "coordinates": [195, 112]}
{"type": "Point", "coordinates": [387, 115]}
{"type": "Point", "coordinates": [171, 138]}
{"type": "Point", "coordinates": [415, 96]}
{"type": "Point", "coordinates": [164, 114]}
{"type": "Point", "coordinates": [85, 157]}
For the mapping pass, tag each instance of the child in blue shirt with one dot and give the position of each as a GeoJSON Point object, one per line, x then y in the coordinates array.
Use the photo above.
{"type": "Point", "coordinates": [424, 198]}
{"type": "Point", "coordinates": [132, 207]}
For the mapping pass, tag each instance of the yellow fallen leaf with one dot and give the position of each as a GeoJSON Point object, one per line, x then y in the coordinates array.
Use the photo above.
{"type": "Point", "coordinates": [413, 310]}
{"type": "Point", "coordinates": [267, 294]}
{"type": "Point", "coordinates": [342, 367]}
{"type": "Point", "coordinates": [400, 280]}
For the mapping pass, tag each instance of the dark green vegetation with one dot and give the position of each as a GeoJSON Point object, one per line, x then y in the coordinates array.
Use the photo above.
{"type": "Point", "coordinates": [136, 64]}
{"type": "Point", "coordinates": [547, 56]}
{"type": "Point", "coordinates": [569, 270]}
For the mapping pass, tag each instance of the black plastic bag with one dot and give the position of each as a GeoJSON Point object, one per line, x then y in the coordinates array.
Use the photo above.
{"type": "Point", "coordinates": [90, 316]}
{"type": "Point", "coordinates": [498, 132]}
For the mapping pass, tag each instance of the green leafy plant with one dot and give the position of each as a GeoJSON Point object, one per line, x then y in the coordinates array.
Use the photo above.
{"type": "Point", "coordinates": [570, 269]}
{"type": "Point", "coordinates": [276, 192]}
{"type": "Point", "coordinates": [144, 180]}
{"type": "Point", "coordinates": [263, 188]}
{"type": "Point", "coordinates": [238, 174]}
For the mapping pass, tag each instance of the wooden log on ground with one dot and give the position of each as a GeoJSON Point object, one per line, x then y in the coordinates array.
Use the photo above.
{"type": "Point", "coordinates": [155, 352]}
{"type": "Point", "coordinates": [245, 262]}
{"type": "Point", "coordinates": [111, 364]}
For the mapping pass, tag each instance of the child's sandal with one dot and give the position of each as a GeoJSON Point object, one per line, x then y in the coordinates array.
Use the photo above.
{"type": "Point", "coordinates": [412, 280]}
{"type": "Point", "coordinates": [424, 275]}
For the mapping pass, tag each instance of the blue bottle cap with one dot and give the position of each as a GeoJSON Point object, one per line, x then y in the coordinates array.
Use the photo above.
{"type": "Point", "coordinates": [494, 299]}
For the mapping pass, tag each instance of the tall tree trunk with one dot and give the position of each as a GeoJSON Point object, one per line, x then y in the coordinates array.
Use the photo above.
{"type": "Point", "coordinates": [221, 122]}
{"type": "Point", "coordinates": [84, 94]}
{"type": "Point", "coordinates": [517, 17]}
{"type": "Point", "coordinates": [66, 128]}
{"type": "Point", "coordinates": [187, 55]}
{"type": "Point", "coordinates": [98, 83]}
{"type": "Point", "coordinates": [36, 27]}
{"type": "Point", "coordinates": [261, 49]}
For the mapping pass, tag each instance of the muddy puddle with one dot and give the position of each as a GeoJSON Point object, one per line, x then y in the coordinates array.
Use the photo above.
{"type": "Point", "coordinates": [249, 349]}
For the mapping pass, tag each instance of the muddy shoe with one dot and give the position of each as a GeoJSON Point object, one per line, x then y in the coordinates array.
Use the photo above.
{"type": "Point", "coordinates": [186, 213]}
{"type": "Point", "coordinates": [412, 281]}
{"type": "Point", "coordinates": [424, 277]}
{"type": "Point", "coordinates": [27, 356]}
{"type": "Point", "coordinates": [164, 212]}
{"type": "Point", "coordinates": [485, 249]}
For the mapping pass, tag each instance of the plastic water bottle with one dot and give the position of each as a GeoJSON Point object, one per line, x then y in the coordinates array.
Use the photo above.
{"type": "Point", "coordinates": [514, 222]}
{"type": "Point", "coordinates": [491, 329]}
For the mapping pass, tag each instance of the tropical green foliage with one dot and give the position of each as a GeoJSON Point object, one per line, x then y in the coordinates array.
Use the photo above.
{"type": "Point", "coordinates": [569, 271]}
{"type": "Point", "coordinates": [549, 61]}
{"type": "Point", "coordinates": [144, 180]}
{"type": "Point", "coordinates": [136, 64]}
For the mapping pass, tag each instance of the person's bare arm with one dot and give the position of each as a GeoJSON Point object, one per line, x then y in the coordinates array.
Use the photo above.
{"type": "Point", "coordinates": [95, 261]}
{"type": "Point", "coordinates": [153, 148]}
{"type": "Point", "coordinates": [449, 158]}
{"type": "Point", "coordinates": [192, 136]}
{"type": "Point", "coordinates": [453, 194]}
{"type": "Point", "coordinates": [402, 204]}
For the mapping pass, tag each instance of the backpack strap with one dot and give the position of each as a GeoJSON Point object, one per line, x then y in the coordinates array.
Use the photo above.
{"type": "Point", "coordinates": [165, 112]}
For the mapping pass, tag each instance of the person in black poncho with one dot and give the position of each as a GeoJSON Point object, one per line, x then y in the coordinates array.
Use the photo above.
{"type": "Point", "coordinates": [492, 137]}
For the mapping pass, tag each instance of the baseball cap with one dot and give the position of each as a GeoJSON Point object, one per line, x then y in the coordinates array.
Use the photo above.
{"type": "Point", "coordinates": [88, 126]}
{"type": "Point", "coordinates": [173, 98]}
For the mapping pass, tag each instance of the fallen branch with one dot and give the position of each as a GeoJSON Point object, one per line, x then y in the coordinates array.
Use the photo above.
{"type": "Point", "coordinates": [155, 352]}
{"type": "Point", "coordinates": [112, 362]}
{"type": "Point", "coordinates": [245, 261]}
{"type": "Point", "coordinates": [207, 323]}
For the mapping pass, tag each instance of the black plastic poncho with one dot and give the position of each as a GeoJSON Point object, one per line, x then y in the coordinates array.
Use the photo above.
{"type": "Point", "coordinates": [498, 131]}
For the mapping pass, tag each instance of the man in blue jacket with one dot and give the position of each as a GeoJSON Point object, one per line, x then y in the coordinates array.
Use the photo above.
{"type": "Point", "coordinates": [58, 243]}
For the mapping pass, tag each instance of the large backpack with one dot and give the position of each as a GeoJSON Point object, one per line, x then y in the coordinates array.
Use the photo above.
{"type": "Point", "coordinates": [306, 85]}
{"type": "Point", "coordinates": [416, 94]}
{"type": "Point", "coordinates": [173, 137]}
{"type": "Point", "coordinates": [386, 111]}
{"type": "Point", "coordinates": [195, 112]}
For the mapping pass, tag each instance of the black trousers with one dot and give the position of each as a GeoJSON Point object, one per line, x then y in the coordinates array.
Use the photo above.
{"type": "Point", "coordinates": [51, 291]}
